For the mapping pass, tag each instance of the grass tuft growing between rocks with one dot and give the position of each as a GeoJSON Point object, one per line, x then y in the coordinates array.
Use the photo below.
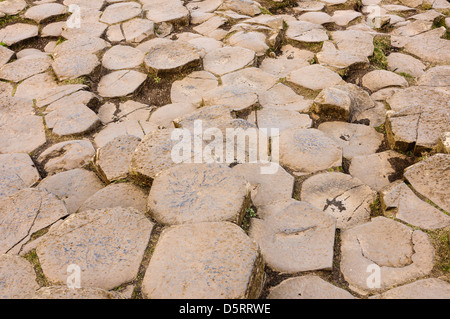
{"type": "Point", "coordinates": [33, 258]}
{"type": "Point", "coordinates": [249, 214]}
{"type": "Point", "coordinates": [382, 47]}
{"type": "Point", "coordinates": [440, 240]}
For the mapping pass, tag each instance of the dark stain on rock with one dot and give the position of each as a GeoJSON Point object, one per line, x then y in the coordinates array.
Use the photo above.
{"type": "Point", "coordinates": [398, 164]}
{"type": "Point", "coordinates": [336, 203]}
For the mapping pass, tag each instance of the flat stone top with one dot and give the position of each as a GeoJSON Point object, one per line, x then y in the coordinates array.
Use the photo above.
{"type": "Point", "coordinates": [198, 193]}
{"type": "Point", "coordinates": [170, 56]}
{"type": "Point", "coordinates": [206, 260]}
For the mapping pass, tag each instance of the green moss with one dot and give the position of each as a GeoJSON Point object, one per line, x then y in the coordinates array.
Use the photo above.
{"type": "Point", "coordinates": [382, 46]}
{"type": "Point", "coordinates": [249, 214]}
{"type": "Point", "coordinates": [33, 258]}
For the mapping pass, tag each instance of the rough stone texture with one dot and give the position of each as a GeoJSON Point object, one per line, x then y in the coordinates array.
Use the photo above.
{"type": "Point", "coordinates": [251, 79]}
{"type": "Point", "coordinates": [122, 57]}
{"type": "Point", "coordinates": [355, 139]}
{"type": "Point", "coordinates": [65, 156]}
{"type": "Point", "coordinates": [21, 131]}
{"type": "Point", "coordinates": [15, 33]}
{"type": "Point", "coordinates": [119, 12]}
{"type": "Point", "coordinates": [431, 288]}
{"type": "Point", "coordinates": [120, 83]}
{"type": "Point", "coordinates": [294, 236]}
{"type": "Point", "coordinates": [266, 188]}
{"type": "Point", "coordinates": [308, 151]}
{"type": "Point", "coordinates": [63, 292]}
{"type": "Point", "coordinates": [73, 187]}
{"type": "Point", "coordinates": [17, 278]}
{"type": "Point", "coordinates": [198, 193]}
{"type": "Point", "coordinates": [165, 115]}
{"type": "Point", "coordinates": [5, 55]}
{"type": "Point", "coordinates": [172, 57]}
{"type": "Point", "coordinates": [436, 76]}
{"type": "Point", "coordinates": [420, 117]}
{"type": "Point", "coordinates": [25, 213]}
{"type": "Point", "coordinates": [314, 77]}
{"type": "Point", "coordinates": [380, 79]}
{"type": "Point", "coordinates": [25, 67]}
{"type": "Point", "coordinates": [72, 66]}
{"type": "Point", "coordinates": [430, 47]}
{"type": "Point", "coordinates": [170, 11]}
{"type": "Point", "coordinates": [107, 245]}
{"type": "Point", "coordinates": [282, 119]}
{"type": "Point", "coordinates": [81, 44]}
{"type": "Point", "coordinates": [113, 159]}
{"type": "Point", "coordinates": [411, 209]}
{"type": "Point", "coordinates": [45, 11]}
{"type": "Point", "coordinates": [228, 59]}
{"type": "Point", "coordinates": [307, 287]}
{"type": "Point", "coordinates": [191, 88]}
{"type": "Point", "coordinates": [187, 258]}
{"type": "Point", "coordinates": [340, 195]}
{"type": "Point", "coordinates": [20, 165]}
{"type": "Point", "coordinates": [403, 63]}
{"type": "Point", "coordinates": [283, 97]}
{"type": "Point", "coordinates": [403, 254]}
{"type": "Point", "coordinates": [379, 170]}
{"type": "Point", "coordinates": [430, 178]}
{"type": "Point", "coordinates": [303, 31]}
{"type": "Point", "coordinates": [125, 195]}
{"type": "Point", "coordinates": [72, 119]}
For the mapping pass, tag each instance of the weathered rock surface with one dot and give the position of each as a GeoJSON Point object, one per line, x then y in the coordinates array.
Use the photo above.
{"type": "Point", "coordinates": [340, 195]}
{"type": "Point", "coordinates": [401, 253]}
{"type": "Point", "coordinates": [17, 278]}
{"type": "Point", "coordinates": [107, 245]}
{"type": "Point", "coordinates": [430, 178]}
{"type": "Point", "coordinates": [307, 287]}
{"type": "Point", "coordinates": [187, 258]}
{"type": "Point", "coordinates": [198, 193]}
{"type": "Point", "coordinates": [294, 236]}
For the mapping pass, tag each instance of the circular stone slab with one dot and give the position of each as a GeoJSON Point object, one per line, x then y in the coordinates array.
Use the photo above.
{"type": "Point", "coordinates": [403, 254]}
{"type": "Point", "coordinates": [172, 57]}
{"type": "Point", "coordinates": [120, 83]}
{"type": "Point", "coordinates": [72, 66]}
{"type": "Point", "coordinates": [229, 59]}
{"type": "Point", "coordinates": [17, 278]}
{"type": "Point", "coordinates": [308, 150]}
{"type": "Point", "coordinates": [314, 77]}
{"type": "Point", "coordinates": [125, 195]}
{"type": "Point", "coordinates": [122, 57]}
{"type": "Point", "coordinates": [25, 213]}
{"type": "Point", "coordinates": [294, 236]}
{"type": "Point", "coordinates": [22, 165]}
{"type": "Point", "coordinates": [307, 287]}
{"type": "Point", "coordinates": [18, 32]}
{"type": "Point", "coordinates": [282, 119]}
{"type": "Point", "coordinates": [207, 260]}
{"type": "Point", "coordinates": [64, 292]}
{"type": "Point", "coordinates": [107, 244]}
{"type": "Point", "coordinates": [341, 196]}
{"type": "Point", "coordinates": [195, 193]}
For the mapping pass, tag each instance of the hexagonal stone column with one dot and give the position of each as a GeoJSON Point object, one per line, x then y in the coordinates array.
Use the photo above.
{"type": "Point", "coordinates": [107, 244]}
{"type": "Point", "coordinates": [308, 150]}
{"type": "Point", "coordinates": [294, 236]}
{"type": "Point", "coordinates": [172, 57]}
{"type": "Point", "coordinates": [403, 254]}
{"type": "Point", "coordinates": [195, 193]}
{"type": "Point", "coordinates": [206, 260]}
{"type": "Point", "coordinates": [340, 195]}
{"type": "Point", "coordinates": [307, 287]}
{"type": "Point", "coordinates": [17, 278]}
